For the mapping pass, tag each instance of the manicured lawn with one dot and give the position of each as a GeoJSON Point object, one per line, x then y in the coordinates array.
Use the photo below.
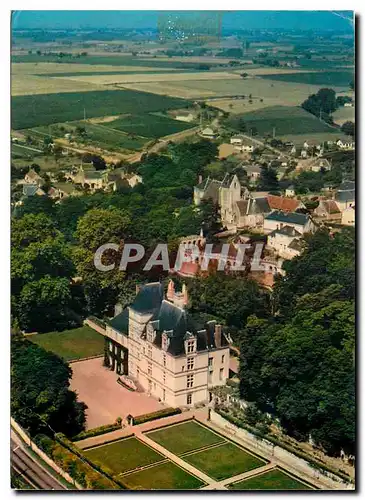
{"type": "Point", "coordinates": [74, 344]}
{"type": "Point", "coordinates": [166, 476]}
{"type": "Point", "coordinates": [185, 437]}
{"type": "Point", "coordinates": [124, 455]}
{"type": "Point", "coordinates": [272, 480]}
{"type": "Point", "coordinates": [223, 461]}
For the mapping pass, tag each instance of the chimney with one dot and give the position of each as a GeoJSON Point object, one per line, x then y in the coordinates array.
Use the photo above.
{"type": "Point", "coordinates": [185, 295]}
{"type": "Point", "coordinates": [118, 308]}
{"type": "Point", "coordinates": [200, 179]}
{"type": "Point", "coordinates": [171, 290]}
{"type": "Point", "coordinates": [218, 335]}
{"type": "Point", "coordinates": [137, 289]}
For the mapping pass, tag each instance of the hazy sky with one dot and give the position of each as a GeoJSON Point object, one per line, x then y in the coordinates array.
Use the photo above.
{"type": "Point", "coordinates": [147, 19]}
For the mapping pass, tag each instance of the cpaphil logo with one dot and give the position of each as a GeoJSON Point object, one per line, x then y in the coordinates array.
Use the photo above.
{"type": "Point", "coordinates": [187, 27]}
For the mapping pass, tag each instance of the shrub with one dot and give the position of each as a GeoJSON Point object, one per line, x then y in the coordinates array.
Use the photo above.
{"type": "Point", "coordinates": [166, 412]}
{"type": "Point", "coordinates": [97, 431]}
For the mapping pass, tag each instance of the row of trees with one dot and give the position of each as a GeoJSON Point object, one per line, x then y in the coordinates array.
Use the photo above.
{"type": "Point", "coordinates": [299, 363]}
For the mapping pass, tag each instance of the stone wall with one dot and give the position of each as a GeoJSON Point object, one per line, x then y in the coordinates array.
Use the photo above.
{"type": "Point", "coordinates": [43, 455]}
{"type": "Point", "coordinates": [289, 460]}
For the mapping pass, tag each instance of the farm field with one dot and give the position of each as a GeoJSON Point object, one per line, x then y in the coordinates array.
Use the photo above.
{"type": "Point", "coordinates": [124, 78]}
{"type": "Point", "coordinates": [113, 60]}
{"type": "Point", "coordinates": [166, 476]}
{"type": "Point", "coordinates": [124, 455]}
{"type": "Point", "coordinates": [313, 138]}
{"type": "Point", "coordinates": [223, 461]}
{"type": "Point", "coordinates": [286, 120]}
{"type": "Point", "coordinates": [31, 111]}
{"type": "Point", "coordinates": [343, 115]}
{"type": "Point", "coordinates": [71, 344]}
{"type": "Point", "coordinates": [148, 125]}
{"type": "Point", "coordinates": [324, 78]}
{"type": "Point", "coordinates": [185, 437]}
{"type": "Point", "coordinates": [277, 93]}
{"type": "Point", "coordinates": [34, 85]}
{"type": "Point", "coordinates": [272, 480]}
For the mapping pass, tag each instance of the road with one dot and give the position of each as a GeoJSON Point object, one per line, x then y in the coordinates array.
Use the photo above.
{"type": "Point", "coordinates": [27, 466]}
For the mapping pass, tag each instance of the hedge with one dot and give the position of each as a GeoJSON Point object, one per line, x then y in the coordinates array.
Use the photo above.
{"type": "Point", "coordinates": [77, 468]}
{"type": "Point", "coordinates": [311, 461]}
{"type": "Point", "coordinates": [97, 431]}
{"type": "Point", "coordinates": [62, 439]}
{"type": "Point", "coordinates": [165, 412]}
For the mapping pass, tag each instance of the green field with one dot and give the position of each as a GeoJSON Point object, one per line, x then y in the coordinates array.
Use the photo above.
{"type": "Point", "coordinates": [71, 344]}
{"type": "Point", "coordinates": [326, 78]}
{"type": "Point", "coordinates": [223, 461]}
{"type": "Point", "coordinates": [148, 125]}
{"type": "Point", "coordinates": [32, 110]}
{"type": "Point", "coordinates": [272, 480]}
{"type": "Point", "coordinates": [285, 119]}
{"type": "Point", "coordinates": [166, 476]}
{"type": "Point", "coordinates": [124, 455]}
{"type": "Point", "coordinates": [185, 437]}
{"type": "Point", "coordinates": [18, 151]}
{"type": "Point", "coordinates": [107, 60]}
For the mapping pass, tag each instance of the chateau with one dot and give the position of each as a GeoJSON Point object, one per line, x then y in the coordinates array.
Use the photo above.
{"type": "Point", "coordinates": [169, 354]}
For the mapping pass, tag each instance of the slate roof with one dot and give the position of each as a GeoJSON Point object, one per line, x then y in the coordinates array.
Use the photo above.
{"type": "Point", "coordinates": [296, 245]}
{"type": "Point", "coordinates": [347, 186]}
{"type": "Point", "coordinates": [168, 318]}
{"type": "Point", "coordinates": [210, 188]}
{"type": "Point", "coordinates": [282, 203]}
{"type": "Point", "coordinates": [31, 189]}
{"type": "Point", "coordinates": [121, 322]}
{"type": "Point", "coordinates": [286, 231]}
{"type": "Point", "coordinates": [345, 196]}
{"type": "Point", "coordinates": [149, 298]}
{"type": "Point", "coordinates": [291, 218]}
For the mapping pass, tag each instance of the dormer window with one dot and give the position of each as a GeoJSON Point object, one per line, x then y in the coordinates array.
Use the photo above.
{"type": "Point", "coordinates": [190, 346]}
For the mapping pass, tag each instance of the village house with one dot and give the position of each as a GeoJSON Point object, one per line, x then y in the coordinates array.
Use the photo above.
{"type": "Point", "coordinates": [347, 145]}
{"type": "Point", "coordinates": [283, 203]}
{"type": "Point", "coordinates": [319, 164]}
{"type": "Point", "coordinates": [348, 216]}
{"type": "Point", "coordinates": [286, 242]}
{"type": "Point", "coordinates": [253, 172]}
{"type": "Point", "coordinates": [250, 212]}
{"type": "Point", "coordinates": [185, 116]}
{"type": "Point", "coordinates": [300, 222]}
{"type": "Point", "coordinates": [328, 210]}
{"type": "Point", "coordinates": [345, 195]}
{"type": "Point", "coordinates": [32, 190]}
{"type": "Point", "coordinates": [61, 190]}
{"type": "Point", "coordinates": [208, 133]}
{"type": "Point", "coordinates": [290, 191]}
{"type": "Point", "coordinates": [171, 355]}
{"type": "Point", "coordinates": [31, 177]}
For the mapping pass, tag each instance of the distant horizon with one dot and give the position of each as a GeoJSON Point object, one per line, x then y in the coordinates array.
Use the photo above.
{"type": "Point", "coordinates": [245, 20]}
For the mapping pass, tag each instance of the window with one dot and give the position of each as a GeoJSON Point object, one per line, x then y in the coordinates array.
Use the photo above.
{"type": "Point", "coordinates": [164, 342]}
{"type": "Point", "coordinates": [164, 378]}
{"type": "Point", "coordinates": [149, 369]}
{"type": "Point", "coordinates": [190, 381]}
{"type": "Point", "coordinates": [191, 344]}
{"type": "Point", "coordinates": [189, 399]}
{"type": "Point", "coordinates": [210, 361]}
{"type": "Point", "coordinates": [221, 374]}
{"type": "Point", "coordinates": [190, 363]}
{"type": "Point", "coordinates": [149, 354]}
{"type": "Point", "coordinates": [163, 395]}
{"type": "Point", "coordinates": [164, 359]}
{"type": "Point", "coordinates": [223, 358]}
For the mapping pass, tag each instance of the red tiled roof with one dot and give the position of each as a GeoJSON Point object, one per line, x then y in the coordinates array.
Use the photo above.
{"type": "Point", "coordinates": [282, 203]}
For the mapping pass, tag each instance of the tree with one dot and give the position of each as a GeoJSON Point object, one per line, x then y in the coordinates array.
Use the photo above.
{"type": "Point", "coordinates": [100, 226]}
{"type": "Point", "coordinates": [40, 395]}
{"type": "Point", "coordinates": [348, 128]}
{"type": "Point", "coordinates": [268, 179]}
{"type": "Point", "coordinates": [323, 103]}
